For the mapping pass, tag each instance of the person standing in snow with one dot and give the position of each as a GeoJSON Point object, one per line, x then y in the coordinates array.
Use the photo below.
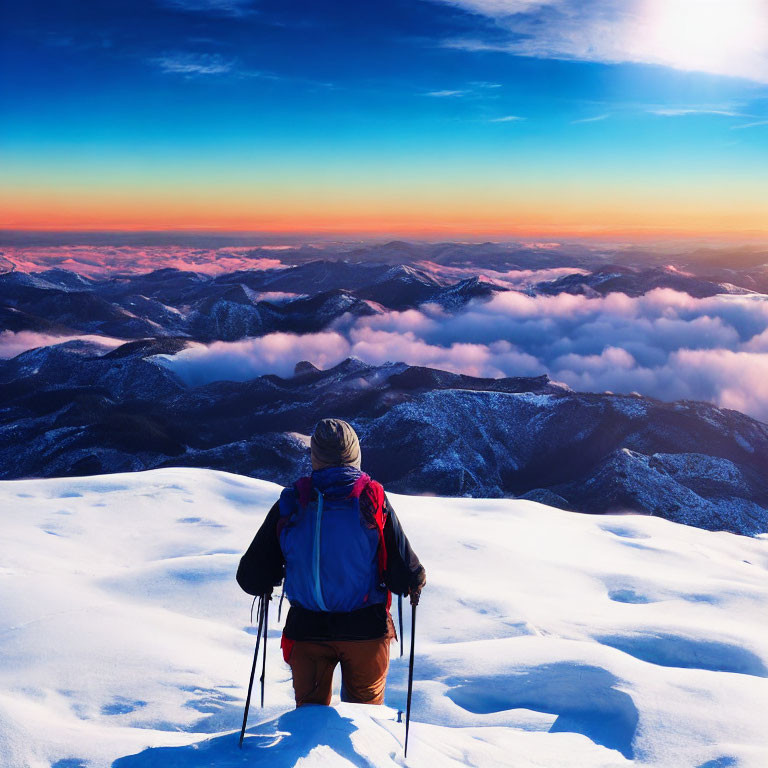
{"type": "Point", "coordinates": [335, 539]}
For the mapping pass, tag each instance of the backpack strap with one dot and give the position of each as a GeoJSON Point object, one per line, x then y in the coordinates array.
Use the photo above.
{"type": "Point", "coordinates": [297, 495]}
{"type": "Point", "coordinates": [360, 485]}
{"type": "Point", "coordinates": [303, 488]}
{"type": "Point", "coordinates": [374, 493]}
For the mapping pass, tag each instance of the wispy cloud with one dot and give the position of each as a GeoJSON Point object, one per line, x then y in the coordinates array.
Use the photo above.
{"type": "Point", "coordinates": [194, 64]}
{"type": "Point", "coordinates": [234, 8]}
{"type": "Point", "coordinates": [684, 111]}
{"type": "Point", "coordinates": [475, 89]}
{"type": "Point", "coordinates": [752, 125]}
{"type": "Point", "coordinates": [507, 119]}
{"type": "Point", "coordinates": [499, 8]}
{"type": "Point", "coordinates": [722, 38]}
{"type": "Point", "coordinates": [446, 94]}
{"type": "Point", "coordinates": [594, 119]}
{"type": "Point", "coordinates": [484, 84]}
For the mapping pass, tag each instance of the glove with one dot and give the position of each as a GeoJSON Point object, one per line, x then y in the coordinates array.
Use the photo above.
{"type": "Point", "coordinates": [420, 580]}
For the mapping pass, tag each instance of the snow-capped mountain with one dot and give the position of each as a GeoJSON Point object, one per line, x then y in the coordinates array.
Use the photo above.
{"type": "Point", "coordinates": [74, 409]}
{"type": "Point", "coordinates": [600, 319]}
{"type": "Point", "coordinates": [313, 294]}
{"type": "Point", "coordinates": [636, 282]}
{"type": "Point", "coordinates": [543, 638]}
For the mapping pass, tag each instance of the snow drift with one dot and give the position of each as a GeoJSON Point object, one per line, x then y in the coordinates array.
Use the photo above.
{"type": "Point", "coordinates": [546, 638]}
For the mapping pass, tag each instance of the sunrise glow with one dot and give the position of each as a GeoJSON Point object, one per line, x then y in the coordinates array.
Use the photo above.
{"type": "Point", "coordinates": [649, 119]}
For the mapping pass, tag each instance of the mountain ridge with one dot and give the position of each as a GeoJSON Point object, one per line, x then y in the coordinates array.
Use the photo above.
{"type": "Point", "coordinates": [313, 294]}
{"type": "Point", "coordinates": [73, 409]}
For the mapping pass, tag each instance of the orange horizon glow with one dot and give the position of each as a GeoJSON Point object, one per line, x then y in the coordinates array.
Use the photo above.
{"type": "Point", "coordinates": [454, 221]}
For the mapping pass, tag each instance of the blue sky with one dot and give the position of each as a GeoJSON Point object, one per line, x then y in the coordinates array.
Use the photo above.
{"type": "Point", "coordinates": [365, 106]}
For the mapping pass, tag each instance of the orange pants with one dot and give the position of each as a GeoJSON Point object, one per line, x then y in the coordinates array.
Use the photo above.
{"type": "Point", "coordinates": [364, 665]}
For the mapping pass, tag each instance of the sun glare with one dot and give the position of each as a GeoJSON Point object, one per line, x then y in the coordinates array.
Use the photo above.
{"type": "Point", "coordinates": [728, 35]}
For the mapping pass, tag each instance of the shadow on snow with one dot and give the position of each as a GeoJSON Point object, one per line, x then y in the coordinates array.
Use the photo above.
{"type": "Point", "coordinates": [279, 742]}
{"type": "Point", "coordinates": [585, 699]}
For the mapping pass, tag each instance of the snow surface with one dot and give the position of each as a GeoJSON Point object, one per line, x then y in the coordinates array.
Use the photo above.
{"type": "Point", "coordinates": [545, 638]}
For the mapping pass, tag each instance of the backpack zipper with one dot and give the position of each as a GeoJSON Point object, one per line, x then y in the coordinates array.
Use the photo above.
{"type": "Point", "coordinates": [316, 554]}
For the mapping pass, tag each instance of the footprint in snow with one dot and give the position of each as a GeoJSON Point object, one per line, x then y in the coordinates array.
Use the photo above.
{"type": "Point", "coordinates": [200, 521]}
{"type": "Point", "coordinates": [726, 761]}
{"type": "Point", "coordinates": [624, 532]}
{"type": "Point", "coordinates": [668, 650]}
{"type": "Point", "coordinates": [629, 596]}
{"type": "Point", "coordinates": [122, 706]}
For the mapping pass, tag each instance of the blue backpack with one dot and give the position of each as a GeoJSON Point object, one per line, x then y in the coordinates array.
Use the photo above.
{"type": "Point", "coordinates": [333, 546]}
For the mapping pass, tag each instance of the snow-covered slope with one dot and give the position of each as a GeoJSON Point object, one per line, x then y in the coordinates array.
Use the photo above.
{"type": "Point", "coordinates": [545, 638]}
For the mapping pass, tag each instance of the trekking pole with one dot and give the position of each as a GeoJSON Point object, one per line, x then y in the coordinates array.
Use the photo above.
{"type": "Point", "coordinates": [280, 604]}
{"type": "Point", "coordinates": [414, 603]}
{"type": "Point", "coordinates": [400, 620]}
{"type": "Point", "coordinates": [253, 672]}
{"type": "Point", "coordinates": [266, 632]}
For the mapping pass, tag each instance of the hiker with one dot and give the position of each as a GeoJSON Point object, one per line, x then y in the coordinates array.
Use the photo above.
{"type": "Point", "coordinates": [336, 540]}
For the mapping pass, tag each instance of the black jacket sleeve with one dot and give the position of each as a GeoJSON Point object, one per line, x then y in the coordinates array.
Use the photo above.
{"type": "Point", "coordinates": [261, 567]}
{"type": "Point", "coordinates": [404, 571]}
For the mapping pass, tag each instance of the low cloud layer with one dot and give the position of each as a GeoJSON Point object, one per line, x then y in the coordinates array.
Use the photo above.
{"type": "Point", "coordinates": [13, 343]}
{"type": "Point", "coordinates": [665, 344]}
{"type": "Point", "coordinates": [275, 353]}
{"type": "Point", "coordinates": [514, 278]}
{"type": "Point", "coordinates": [105, 261]}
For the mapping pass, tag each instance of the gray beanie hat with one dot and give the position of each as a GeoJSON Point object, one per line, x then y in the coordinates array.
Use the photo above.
{"type": "Point", "coordinates": [334, 444]}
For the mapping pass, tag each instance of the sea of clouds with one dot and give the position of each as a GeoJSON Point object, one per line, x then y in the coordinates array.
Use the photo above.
{"type": "Point", "coordinates": [104, 261]}
{"type": "Point", "coordinates": [665, 344]}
